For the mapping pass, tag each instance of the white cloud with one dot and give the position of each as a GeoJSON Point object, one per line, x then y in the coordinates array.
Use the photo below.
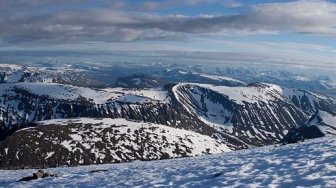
{"type": "Point", "coordinates": [306, 16]}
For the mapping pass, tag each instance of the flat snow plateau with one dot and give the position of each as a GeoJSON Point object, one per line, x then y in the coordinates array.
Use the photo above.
{"type": "Point", "coordinates": [308, 164]}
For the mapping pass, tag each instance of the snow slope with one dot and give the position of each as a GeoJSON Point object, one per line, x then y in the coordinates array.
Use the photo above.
{"type": "Point", "coordinates": [328, 118]}
{"type": "Point", "coordinates": [324, 121]}
{"type": "Point", "coordinates": [308, 164]}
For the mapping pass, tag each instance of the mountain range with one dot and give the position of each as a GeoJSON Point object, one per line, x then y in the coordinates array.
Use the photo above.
{"type": "Point", "coordinates": [50, 119]}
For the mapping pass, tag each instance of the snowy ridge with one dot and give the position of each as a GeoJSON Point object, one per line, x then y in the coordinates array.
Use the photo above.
{"type": "Point", "coordinates": [249, 94]}
{"type": "Point", "coordinates": [272, 166]}
{"type": "Point", "coordinates": [240, 95]}
{"type": "Point", "coordinates": [221, 78]}
{"type": "Point", "coordinates": [95, 141]}
{"type": "Point", "coordinates": [69, 93]}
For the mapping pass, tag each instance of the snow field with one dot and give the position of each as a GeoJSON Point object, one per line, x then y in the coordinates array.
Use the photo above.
{"type": "Point", "coordinates": [308, 164]}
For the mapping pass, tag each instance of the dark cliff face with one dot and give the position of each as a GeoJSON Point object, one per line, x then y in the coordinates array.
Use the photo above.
{"type": "Point", "coordinates": [309, 102]}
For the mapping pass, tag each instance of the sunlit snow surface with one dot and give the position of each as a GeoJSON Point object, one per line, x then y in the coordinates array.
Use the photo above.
{"type": "Point", "coordinates": [308, 164]}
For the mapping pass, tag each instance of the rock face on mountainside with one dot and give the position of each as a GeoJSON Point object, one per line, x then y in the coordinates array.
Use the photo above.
{"type": "Point", "coordinates": [96, 141]}
{"type": "Point", "coordinates": [320, 124]}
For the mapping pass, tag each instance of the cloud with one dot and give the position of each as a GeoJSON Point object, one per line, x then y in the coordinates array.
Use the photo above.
{"type": "Point", "coordinates": [305, 16]}
{"type": "Point", "coordinates": [64, 21]}
{"type": "Point", "coordinates": [153, 5]}
{"type": "Point", "coordinates": [232, 3]}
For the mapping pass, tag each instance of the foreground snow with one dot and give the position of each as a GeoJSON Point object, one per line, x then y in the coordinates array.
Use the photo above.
{"type": "Point", "coordinates": [309, 164]}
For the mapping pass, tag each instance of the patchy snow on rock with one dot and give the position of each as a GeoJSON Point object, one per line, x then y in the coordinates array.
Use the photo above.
{"type": "Point", "coordinates": [308, 164]}
{"type": "Point", "coordinates": [100, 141]}
{"type": "Point", "coordinates": [197, 143]}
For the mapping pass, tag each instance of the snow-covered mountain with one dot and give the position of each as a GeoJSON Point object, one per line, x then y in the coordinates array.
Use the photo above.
{"type": "Point", "coordinates": [95, 141]}
{"type": "Point", "coordinates": [308, 164]}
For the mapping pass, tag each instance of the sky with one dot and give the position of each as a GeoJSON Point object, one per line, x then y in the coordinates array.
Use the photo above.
{"type": "Point", "coordinates": [301, 32]}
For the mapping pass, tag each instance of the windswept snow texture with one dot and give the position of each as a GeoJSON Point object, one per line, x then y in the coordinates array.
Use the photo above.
{"type": "Point", "coordinates": [308, 164]}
